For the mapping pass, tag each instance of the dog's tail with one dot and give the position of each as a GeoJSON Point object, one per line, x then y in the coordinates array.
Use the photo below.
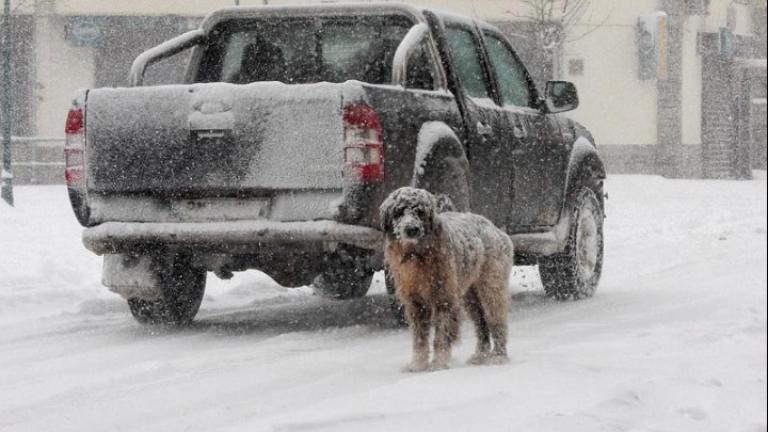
{"type": "Point", "coordinates": [445, 204]}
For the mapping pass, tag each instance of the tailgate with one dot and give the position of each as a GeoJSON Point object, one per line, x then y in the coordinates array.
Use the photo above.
{"type": "Point", "coordinates": [214, 139]}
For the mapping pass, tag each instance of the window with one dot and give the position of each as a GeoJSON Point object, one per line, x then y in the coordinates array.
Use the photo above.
{"type": "Point", "coordinates": [298, 51]}
{"type": "Point", "coordinates": [420, 69]}
{"type": "Point", "coordinates": [513, 82]}
{"type": "Point", "coordinates": [361, 51]}
{"type": "Point", "coordinates": [697, 7]}
{"type": "Point", "coordinates": [467, 62]}
{"type": "Point", "coordinates": [172, 70]}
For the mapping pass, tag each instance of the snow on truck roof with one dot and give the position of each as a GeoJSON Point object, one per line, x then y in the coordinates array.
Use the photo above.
{"type": "Point", "coordinates": [240, 12]}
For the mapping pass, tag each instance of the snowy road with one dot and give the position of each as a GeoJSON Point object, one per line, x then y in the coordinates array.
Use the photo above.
{"type": "Point", "coordinates": [675, 339]}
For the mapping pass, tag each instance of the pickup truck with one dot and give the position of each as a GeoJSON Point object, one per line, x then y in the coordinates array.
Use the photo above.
{"type": "Point", "coordinates": [291, 127]}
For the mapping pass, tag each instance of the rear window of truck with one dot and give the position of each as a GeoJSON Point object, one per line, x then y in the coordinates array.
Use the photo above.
{"type": "Point", "coordinates": [301, 51]}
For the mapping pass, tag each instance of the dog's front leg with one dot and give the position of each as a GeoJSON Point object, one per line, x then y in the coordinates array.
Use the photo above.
{"type": "Point", "coordinates": [419, 317]}
{"type": "Point", "coordinates": [446, 332]}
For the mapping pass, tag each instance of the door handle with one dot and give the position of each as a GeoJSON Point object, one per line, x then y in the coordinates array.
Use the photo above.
{"type": "Point", "coordinates": [484, 129]}
{"type": "Point", "coordinates": [520, 130]}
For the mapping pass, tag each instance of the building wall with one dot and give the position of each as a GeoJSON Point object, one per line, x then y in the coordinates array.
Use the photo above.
{"type": "Point", "coordinates": [759, 23]}
{"type": "Point", "coordinates": [481, 8]}
{"type": "Point", "coordinates": [139, 7]}
{"type": "Point", "coordinates": [718, 16]}
{"type": "Point", "coordinates": [620, 109]}
{"type": "Point", "coordinates": [627, 124]}
{"type": "Point", "coordinates": [61, 70]}
{"type": "Point", "coordinates": [692, 59]}
{"type": "Point", "coordinates": [692, 86]}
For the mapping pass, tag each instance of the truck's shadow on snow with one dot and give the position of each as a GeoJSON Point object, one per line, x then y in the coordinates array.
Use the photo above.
{"type": "Point", "coordinates": [303, 314]}
{"type": "Point", "coordinates": [313, 313]}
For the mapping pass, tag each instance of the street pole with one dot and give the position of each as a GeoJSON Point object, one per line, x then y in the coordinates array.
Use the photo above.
{"type": "Point", "coordinates": [6, 191]}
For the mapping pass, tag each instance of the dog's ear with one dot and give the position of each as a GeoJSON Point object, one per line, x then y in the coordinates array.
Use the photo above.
{"type": "Point", "coordinates": [432, 207]}
{"type": "Point", "coordinates": [386, 210]}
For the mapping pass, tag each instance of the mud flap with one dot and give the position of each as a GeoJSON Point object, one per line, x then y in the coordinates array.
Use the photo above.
{"type": "Point", "coordinates": [131, 276]}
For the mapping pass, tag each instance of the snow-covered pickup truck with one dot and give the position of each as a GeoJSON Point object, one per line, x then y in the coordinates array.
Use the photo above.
{"type": "Point", "coordinates": [292, 126]}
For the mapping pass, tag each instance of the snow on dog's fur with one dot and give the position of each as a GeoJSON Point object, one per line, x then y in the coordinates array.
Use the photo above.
{"type": "Point", "coordinates": [440, 261]}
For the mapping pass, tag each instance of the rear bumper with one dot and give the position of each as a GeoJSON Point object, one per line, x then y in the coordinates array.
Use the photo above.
{"type": "Point", "coordinates": [225, 237]}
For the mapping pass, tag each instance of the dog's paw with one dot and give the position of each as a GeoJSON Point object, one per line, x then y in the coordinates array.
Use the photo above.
{"type": "Point", "coordinates": [415, 366]}
{"type": "Point", "coordinates": [478, 358]}
{"type": "Point", "coordinates": [497, 359]}
{"type": "Point", "coordinates": [488, 359]}
{"type": "Point", "coordinates": [436, 365]}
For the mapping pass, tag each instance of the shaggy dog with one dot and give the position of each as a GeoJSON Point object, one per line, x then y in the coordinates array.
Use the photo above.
{"type": "Point", "coordinates": [440, 261]}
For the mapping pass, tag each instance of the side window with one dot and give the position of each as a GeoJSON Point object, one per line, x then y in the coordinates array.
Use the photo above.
{"type": "Point", "coordinates": [510, 73]}
{"type": "Point", "coordinates": [420, 68]}
{"type": "Point", "coordinates": [467, 62]}
{"type": "Point", "coordinates": [172, 70]}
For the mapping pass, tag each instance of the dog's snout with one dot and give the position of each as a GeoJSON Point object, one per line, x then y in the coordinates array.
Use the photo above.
{"type": "Point", "coordinates": [413, 231]}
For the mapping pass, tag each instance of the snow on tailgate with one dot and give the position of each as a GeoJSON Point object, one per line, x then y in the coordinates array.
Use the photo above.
{"type": "Point", "coordinates": [215, 137]}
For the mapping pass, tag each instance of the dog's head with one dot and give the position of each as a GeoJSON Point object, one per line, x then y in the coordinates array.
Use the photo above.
{"type": "Point", "coordinates": [409, 215]}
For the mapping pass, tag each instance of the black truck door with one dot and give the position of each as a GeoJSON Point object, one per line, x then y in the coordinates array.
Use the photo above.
{"type": "Point", "coordinates": [537, 156]}
{"type": "Point", "coordinates": [491, 173]}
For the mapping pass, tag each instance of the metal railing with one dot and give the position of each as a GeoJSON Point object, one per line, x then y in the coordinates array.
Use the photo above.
{"type": "Point", "coordinates": [35, 139]}
{"type": "Point", "coordinates": [37, 159]}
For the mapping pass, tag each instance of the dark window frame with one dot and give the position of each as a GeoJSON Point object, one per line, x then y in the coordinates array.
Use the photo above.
{"type": "Point", "coordinates": [429, 65]}
{"type": "Point", "coordinates": [533, 92]}
{"type": "Point", "coordinates": [479, 50]}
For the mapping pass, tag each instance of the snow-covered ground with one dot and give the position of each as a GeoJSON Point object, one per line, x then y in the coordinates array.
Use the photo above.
{"type": "Point", "coordinates": [675, 339]}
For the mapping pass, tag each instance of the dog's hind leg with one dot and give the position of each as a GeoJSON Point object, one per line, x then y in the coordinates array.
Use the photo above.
{"type": "Point", "coordinates": [419, 317]}
{"type": "Point", "coordinates": [475, 312]}
{"type": "Point", "coordinates": [494, 300]}
{"type": "Point", "coordinates": [497, 326]}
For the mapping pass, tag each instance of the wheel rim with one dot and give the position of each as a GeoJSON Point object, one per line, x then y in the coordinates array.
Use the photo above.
{"type": "Point", "coordinates": [587, 244]}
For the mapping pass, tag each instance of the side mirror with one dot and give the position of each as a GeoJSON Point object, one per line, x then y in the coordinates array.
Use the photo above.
{"type": "Point", "coordinates": [561, 96]}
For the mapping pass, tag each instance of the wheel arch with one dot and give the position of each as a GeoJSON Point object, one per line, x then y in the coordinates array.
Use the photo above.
{"type": "Point", "coordinates": [584, 167]}
{"type": "Point", "coordinates": [440, 160]}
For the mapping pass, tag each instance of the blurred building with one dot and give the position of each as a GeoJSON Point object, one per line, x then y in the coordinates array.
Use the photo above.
{"type": "Point", "coordinates": [671, 87]}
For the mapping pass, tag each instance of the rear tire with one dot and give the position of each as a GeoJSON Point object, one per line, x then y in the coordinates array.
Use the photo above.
{"type": "Point", "coordinates": [575, 273]}
{"type": "Point", "coordinates": [343, 284]}
{"type": "Point", "coordinates": [181, 291]}
{"type": "Point", "coordinates": [347, 274]}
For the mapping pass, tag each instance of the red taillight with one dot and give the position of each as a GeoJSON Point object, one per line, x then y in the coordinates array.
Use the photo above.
{"type": "Point", "coordinates": [74, 148]}
{"type": "Point", "coordinates": [363, 144]}
{"type": "Point", "coordinates": [74, 121]}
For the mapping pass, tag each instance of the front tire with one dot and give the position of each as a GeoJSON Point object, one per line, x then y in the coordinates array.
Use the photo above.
{"type": "Point", "coordinates": [575, 273]}
{"type": "Point", "coordinates": [181, 292]}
